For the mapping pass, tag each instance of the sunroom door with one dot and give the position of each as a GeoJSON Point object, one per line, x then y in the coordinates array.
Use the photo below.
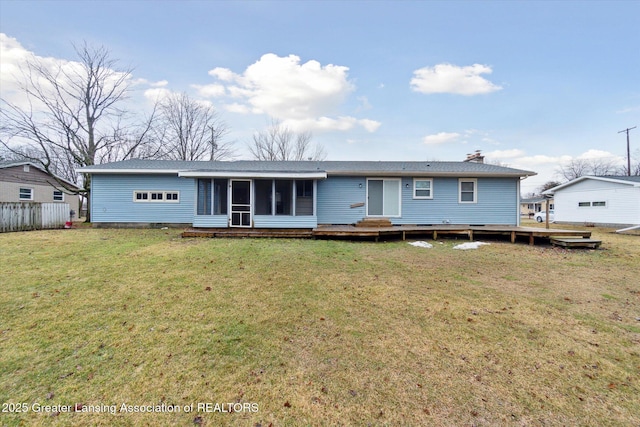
{"type": "Point", "coordinates": [383, 197]}
{"type": "Point", "coordinates": [240, 203]}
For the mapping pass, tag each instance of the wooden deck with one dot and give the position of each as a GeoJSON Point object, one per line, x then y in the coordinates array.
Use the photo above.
{"type": "Point", "coordinates": [394, 232]}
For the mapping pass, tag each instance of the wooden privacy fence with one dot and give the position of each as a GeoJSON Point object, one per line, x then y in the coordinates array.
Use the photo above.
{"type": "Point", "coordinates": [22, 216]}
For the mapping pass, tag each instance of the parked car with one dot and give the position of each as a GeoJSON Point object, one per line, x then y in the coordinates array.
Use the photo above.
{"type": "Point", "coordinates": [542, 216]}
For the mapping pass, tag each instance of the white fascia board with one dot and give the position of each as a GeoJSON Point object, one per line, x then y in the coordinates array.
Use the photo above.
{"type": "Point", "coordinates": [222, 174]}
{"type": "Point", "coordinates": [551, 191]}
{"type": "Point", "coordinates": [427, 174]}
{"type": "Point", "coordinates": [129, 171]}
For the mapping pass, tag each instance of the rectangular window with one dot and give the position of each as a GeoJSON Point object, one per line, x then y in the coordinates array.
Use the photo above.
{"type": "Point", "coordinates": [600, 204]}
{"type": "Point", "coordinates": [203, 202]}
{"type": "Point", "coordinates": [263, 196]}
{"type": "Point", "coordinates": [156, 196]}
{"type": "Point", "coordinates": [284, 196]}
{"type": "Point", "coordinates": [26, 193]}
{"type": "Point", "coordinates": [422, 188]}
{"type": "Point", "coordinates": [468, 190]}
{"type": "Point", "coordinates": [304, 197]}
{"type": "Point", "coordinates": [220, 188]}
{"type": "Point", "coordinates": [584, 204]}
{"type": "Point", "coordinates": [58, 196]}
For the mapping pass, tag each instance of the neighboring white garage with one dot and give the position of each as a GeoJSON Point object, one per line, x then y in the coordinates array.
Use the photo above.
{"type": "Point", "coordinates": [601, 200]}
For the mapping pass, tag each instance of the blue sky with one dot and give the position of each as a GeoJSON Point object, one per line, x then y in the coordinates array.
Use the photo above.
{"type": "Point", "coordinates": [531, 84]}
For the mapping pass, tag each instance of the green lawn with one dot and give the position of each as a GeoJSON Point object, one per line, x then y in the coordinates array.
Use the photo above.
{"type": "Point", "coordinates": [304, 332]}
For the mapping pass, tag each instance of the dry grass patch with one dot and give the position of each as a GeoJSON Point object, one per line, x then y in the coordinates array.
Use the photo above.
{"type": "Point", "coordinates": [318, 332]}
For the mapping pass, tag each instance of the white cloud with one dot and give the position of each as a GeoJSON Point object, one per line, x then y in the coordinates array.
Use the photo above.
{"type": "Point", "coordinates": [599, 154]}
{"type": "Point", "coordinates": [369, 125]}
{"type": "Point", "coordinates": [210, 91]}
{"type": "Point", "coordinates": [448, 78]}
{"type": "Point", "coordinates": [157, 93]}
{"type": "Point", "coordinates": [304, 96]}
{"type": "Point", "coordinates": [441, 138]}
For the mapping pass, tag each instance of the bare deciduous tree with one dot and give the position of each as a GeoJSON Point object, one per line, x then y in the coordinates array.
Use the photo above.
{"type": "Point", "coordinates": [278, 142]}
{"type": "Point", "coordinates": [72, 117]}
{"type": "Point", "coordinates": [580, 167]}
{"type": "Point", "coordinates": [191, 130]}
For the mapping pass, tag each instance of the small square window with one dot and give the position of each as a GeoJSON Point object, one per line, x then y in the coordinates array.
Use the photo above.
{"type": "Point", "coordinates": [172, 196]}
{"type": "Point", "coordinates": [157, 196]}
{"type": "Point", "coordinates": [141, 196]}
{"type": "Point", "coordinates": [422, 188]}
{"type": "Point", "coordinates": [58, 196]}
{"type": "Point", "coordinates": [584, 204]}
{"type": "Point", "coordinates": [601, 204]}
{"type": "Point", "coordinates": [26, 193]}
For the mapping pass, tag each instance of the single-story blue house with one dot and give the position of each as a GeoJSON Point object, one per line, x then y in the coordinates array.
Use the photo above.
{"type": "Point", "coordinates": [302, 194]}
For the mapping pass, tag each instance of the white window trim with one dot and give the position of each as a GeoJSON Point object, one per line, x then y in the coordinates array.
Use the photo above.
{"type": "Point", "coordinates": [149, 200]}
{"type": "Point", "coordinates": [475, 190]}
{"type": "Point", "coordinates": [399, 181]}
{"type": "Point", "coordinates": [30, 193]}
{"type": "Point", "coordinates": [430, 189]}
{"type": "Point", "coordinates": [54, 195]}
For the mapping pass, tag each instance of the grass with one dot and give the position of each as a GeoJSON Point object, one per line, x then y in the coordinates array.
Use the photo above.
{"type": "Point", "coordinates": [317, 332]}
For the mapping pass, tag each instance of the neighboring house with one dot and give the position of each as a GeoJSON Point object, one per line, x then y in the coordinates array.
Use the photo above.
{"type": "Point", "coordinates": [23, 181]}
{"type": "Point", "coordinates": [302, 194]}
{"type": "Point", "coordinates": [530, 207]}
{"type": "Point", "coordinates": [600, 200]}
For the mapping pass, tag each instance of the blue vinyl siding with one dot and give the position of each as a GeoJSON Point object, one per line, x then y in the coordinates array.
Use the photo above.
{"type": "Point", "coordinates": [496, 203]}
{"type": "Point", "coordinates": [336, 194]}
{"type": "Point", "coordinates": [284, 221]}
{"type": "Point", "coordinates": [112, 199]}
{"type": "Point", "coordinates": [211, 221]}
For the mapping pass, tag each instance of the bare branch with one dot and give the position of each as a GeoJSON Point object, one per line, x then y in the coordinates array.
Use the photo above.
{"type": "Point", "coordinates": [278, 142]}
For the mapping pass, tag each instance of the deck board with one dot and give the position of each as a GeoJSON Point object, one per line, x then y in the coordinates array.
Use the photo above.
{"type": "Point", "coordinates": [398, 232]}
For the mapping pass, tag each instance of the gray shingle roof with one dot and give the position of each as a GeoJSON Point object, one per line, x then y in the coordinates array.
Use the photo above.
{"type": "Point", "coordinates": [397, 168]}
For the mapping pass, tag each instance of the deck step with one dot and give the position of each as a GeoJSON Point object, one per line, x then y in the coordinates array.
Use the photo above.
{"type": "Point", "coordinates": [374, 222]}
{"type": "Point", "coordinates": [575, 243]}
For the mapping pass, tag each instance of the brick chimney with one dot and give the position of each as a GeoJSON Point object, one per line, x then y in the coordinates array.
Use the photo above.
{"type": "Point", "coordinates": [476, 157]}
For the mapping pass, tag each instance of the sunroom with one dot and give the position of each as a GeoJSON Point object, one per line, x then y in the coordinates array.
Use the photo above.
{"type": "Point", "coordinates": [255, 200]}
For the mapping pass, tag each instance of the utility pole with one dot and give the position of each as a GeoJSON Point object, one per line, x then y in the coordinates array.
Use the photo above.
{"type": "Point", "coordinates": [628, 150]}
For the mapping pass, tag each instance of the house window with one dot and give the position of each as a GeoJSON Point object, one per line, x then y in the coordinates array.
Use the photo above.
{"type": "Point", "coordinates": [58, 196]}
{"type": "Point", "coordinates": [26, 193]}
{"type": "Point", "coordinates": [263, 196]}
{"type": "Point", "coordinates": [284, 194]}
{"type": "Point", "coordinates": [584, 204]}
{"type": "Point", "coordinates": [468, 190]}
{"type": "Point", "coordinates": [204, 197]}
{"type": "Point", "coordinates": [220, 187]}
{"type": "Point", "coordinates": [599, 204]}
{"type": "Point", "coordinates": [422, 188]}
{"type": "Point", "coordinates": [156, 196]}
{"type": "Point", "coordinates": [211, 197]}
{"type": "Point", "coordinates": [25, 168]}
{"type": "Point", "coordinates": [383, 197]}
{"type": "Point", "coordinates": [304, 197]}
